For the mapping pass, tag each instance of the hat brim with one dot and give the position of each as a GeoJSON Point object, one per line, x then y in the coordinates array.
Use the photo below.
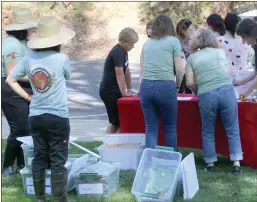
{"type": "Point", "coordinates": [38, 42]}
{"type": "Point", "coordinates": [17, 27]}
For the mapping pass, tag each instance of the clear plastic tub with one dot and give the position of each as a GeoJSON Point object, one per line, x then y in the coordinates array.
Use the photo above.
{"type": "Point", "coordinates": [127, 156]}
{"type": "Point", "coordinates": [77, 165]}
{"type": "Point", "coordinates": [100, 179]}
{"type": "Point", "coordinates": [28, 151]}
{"type": "Point", "coordinates": [157, 176]}
{"type": "Point", "coordinates": [27, 179]}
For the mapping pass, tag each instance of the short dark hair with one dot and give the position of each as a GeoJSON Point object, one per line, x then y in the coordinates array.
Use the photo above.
{"type": "Point", "coordinates": [54, 48]}
{"type": "Point", "coordinates": [231, 22]}
{"type": "Point", "coordinates": [149, 25]}
{"type": "Point", "coordinates": [247, 28]}
{"type": "Point", "coordinates": [18, 34]}
{"type": "Point", "coordinates": [162, 26]}
{"type": "Point", "coordinates": [182, 26]}
{"type": "Point", "coordinates": [217, 23]}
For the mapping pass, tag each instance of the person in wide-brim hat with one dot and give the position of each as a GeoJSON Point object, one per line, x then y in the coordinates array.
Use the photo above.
{"type": "Point", "coordinates": [22, 19]}
{"type": "Point", "coordinates": [14, 48]}
{"type": "Point", "coordinates": [50, 33]}
{"type": "Point", "coordinates": [48, 70]}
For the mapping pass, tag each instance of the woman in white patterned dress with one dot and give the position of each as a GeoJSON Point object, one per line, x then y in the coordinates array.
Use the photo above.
{"type": "Point", "coordinates": [235, 47]}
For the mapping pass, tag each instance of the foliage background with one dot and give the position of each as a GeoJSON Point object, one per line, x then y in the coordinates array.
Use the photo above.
{"type": "Point", "coordinates": [98, 24]}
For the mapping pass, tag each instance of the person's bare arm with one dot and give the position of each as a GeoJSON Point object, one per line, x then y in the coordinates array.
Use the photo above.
{"type": "Point", "coordinates": [141, 68]}
{"type": "Point", "coordinates": [251, 89]}
{"type": "Point", "coordinates": [12, 82]}
{"type": "Point", "coordinates": [10, 66]}
{"type": "Point", "coordinates": [190, 80]}
{"type": "Point", "coordinates": [141, 71]}
{"type": "Point", "coordinates": [121, 80]}
{"type": "Point", "coordinates": [128, 78]}
{"type": "Point", "coordinates": [246, 80]}
{"type": "Point", "coordinates": [180, 66]}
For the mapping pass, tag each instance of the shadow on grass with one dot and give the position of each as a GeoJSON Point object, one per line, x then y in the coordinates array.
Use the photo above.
{"type": "Point", "coordinates": [214, 187]}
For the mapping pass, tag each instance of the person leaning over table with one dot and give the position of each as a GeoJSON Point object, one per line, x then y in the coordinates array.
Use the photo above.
{"type": "Point", "coordinates": [185, 30]}
{"type": "Point", "coordinates": [247, 29]}
{"type": "Point", "coordinates": [47, 70]}
{"type": "Point", "coordinates": [159, 57]}
{"type": "Point", "coordinates": [116, 77]}
{"type": "Point", "coordinates": [15, 108]}
{"type": "Point", "coordinates": [235, 48]}
{"type": "Point", "coordinates": [207, 67]}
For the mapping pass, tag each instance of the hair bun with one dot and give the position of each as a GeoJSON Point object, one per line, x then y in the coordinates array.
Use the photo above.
{"type": "Point", "coordinates": [161, 24]}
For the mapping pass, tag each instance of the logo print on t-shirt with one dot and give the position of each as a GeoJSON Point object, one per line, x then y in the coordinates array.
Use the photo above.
{"type": "Point", "coordinates": [127, 63]}
{"type": "Point", "coordinates": [42, 80]}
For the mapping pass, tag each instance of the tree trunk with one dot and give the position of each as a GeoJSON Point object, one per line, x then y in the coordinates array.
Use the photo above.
{"type": "Point", "coordinates": [221, 8]}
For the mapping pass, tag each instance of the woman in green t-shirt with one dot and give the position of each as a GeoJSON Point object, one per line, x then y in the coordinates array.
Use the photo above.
{"type": "Point", "coordinates": [207, 67]}
{"type": "Point", "coordinates": [161, 54]}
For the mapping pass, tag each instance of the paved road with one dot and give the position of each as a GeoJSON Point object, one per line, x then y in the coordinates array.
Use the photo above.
{"type": "Point", "coordinates": [87, 112]}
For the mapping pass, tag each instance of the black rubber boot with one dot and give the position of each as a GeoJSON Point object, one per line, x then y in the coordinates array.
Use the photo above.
{"type": "Point", "coordinates": [9, 158]}
{"type": "Point", "coordinates": [19, 162]}
{"type": "Point", "coordinates": [20, 159]}
{"type": "Point", "coordinates": [39, 186]}
{"type": "Point", "coordinates": [59, 187]}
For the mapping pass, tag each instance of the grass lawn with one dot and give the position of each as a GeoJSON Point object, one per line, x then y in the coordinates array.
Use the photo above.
{"type": "Point", "coordinates": [214, 187]}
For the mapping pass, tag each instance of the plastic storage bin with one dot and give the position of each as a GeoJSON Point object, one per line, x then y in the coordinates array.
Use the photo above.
{"type": "Point", "coordinates": [157, 176]}
{"type": "Point", "coordinates": [28, 151]}
{"type": "Point", "coordinates": [28, 180]}
{"type": "Point", "coordinates": [100, 179]}
{"type": "Point", "coordinates": [127, 156]}
{"type": "Point", "coordinates": [77, 165]}
{"type": "Point", "coordinates": [124, 138]}
{"type": "Point", "coordinates": [125, 149]}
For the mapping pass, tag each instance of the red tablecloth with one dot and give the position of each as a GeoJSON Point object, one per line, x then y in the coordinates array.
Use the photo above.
{"type": "Point", "coordinates": [189, 126]}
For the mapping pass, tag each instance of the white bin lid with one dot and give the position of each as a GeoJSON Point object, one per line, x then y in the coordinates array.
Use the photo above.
{"type": "Point", "coordinates": [124, 138]}
{"type": "Point", "coordinates": [189, 176]}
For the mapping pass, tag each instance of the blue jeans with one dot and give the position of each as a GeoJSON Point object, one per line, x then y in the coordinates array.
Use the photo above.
{"type": "Point", "coordinates": [222, 99]}
{"type": "Point", "coordinates": [159, 97]}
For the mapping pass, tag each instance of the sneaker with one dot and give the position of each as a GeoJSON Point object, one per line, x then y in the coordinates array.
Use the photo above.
{"type": "Point", "coordinates": [212, 169]}
{"type": "Point", "coordinates": [8, 172]}
{"type": "Point", "coordinates": [236, 169]}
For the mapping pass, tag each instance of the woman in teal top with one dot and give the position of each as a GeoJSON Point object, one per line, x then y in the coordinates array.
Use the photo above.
{"type": "Point", "coordinates": [47, 70]}
{"type": "Point", "coordinates": [207, 67]}
{"type": "Point", "coordinates": [161, 54]}
{"type": "Point", "coordinates": [14, 107]}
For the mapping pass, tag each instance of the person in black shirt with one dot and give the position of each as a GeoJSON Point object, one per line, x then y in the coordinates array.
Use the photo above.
{"type": "Point", "coordinates": [116, 76]}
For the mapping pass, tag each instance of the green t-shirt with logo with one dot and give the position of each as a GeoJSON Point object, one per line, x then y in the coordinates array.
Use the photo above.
{"type": "Point", "coordinates": [13, 50]}
{"type": "Point", "coordinates": [210, 67]}
{"type": "Point", "coordinates": [158, 58]}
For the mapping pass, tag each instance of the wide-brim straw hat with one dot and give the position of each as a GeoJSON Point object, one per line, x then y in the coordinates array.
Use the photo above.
{"type": "Point", "coordinates": [50, 34]}
{"type": "Point", "coordinates": [22, 19]}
